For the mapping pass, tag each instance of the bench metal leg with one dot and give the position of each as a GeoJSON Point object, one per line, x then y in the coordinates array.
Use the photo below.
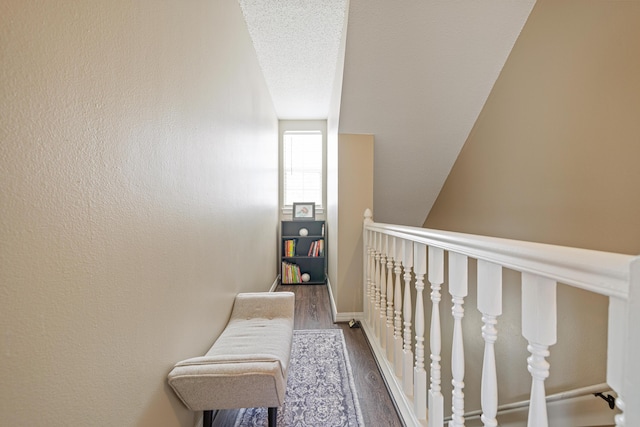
{"type": "Point", "coordinates": [273, 415]}
{"type": "Point", "coordinates": [207, 418]}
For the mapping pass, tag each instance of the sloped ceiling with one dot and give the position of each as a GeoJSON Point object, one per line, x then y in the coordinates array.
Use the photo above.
{"type": "Point", "coordinates": [416, 75]}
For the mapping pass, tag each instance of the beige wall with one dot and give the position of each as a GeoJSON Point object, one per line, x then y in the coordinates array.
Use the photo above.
{"type": "Point", "coordinates": [138, 166]}
{"type": "Point", "coordinates": [353, 166]}
{"type": "Point", "coordinates": [416, 75]}
{"type": "Point", "coordinates": [554, 154]}
{"type": "Point", "coordinates": [553, 158]}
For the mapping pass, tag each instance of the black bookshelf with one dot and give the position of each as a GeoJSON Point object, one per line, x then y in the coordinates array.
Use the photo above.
{"type": "Point", "coordinates": [304, 253]}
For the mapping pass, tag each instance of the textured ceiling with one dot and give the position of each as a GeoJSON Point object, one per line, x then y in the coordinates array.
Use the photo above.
{"type": "Point", "coordinates": [297, 43]}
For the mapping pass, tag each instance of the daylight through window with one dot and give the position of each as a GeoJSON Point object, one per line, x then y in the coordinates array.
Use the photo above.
{"type": "Point", "coordinates": [302, 160]}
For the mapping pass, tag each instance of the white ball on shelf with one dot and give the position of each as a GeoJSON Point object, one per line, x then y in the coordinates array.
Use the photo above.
{"type": "Point", "coordinates": [303, 232]}
{"type": "Point", "coordinates": [305, 277]}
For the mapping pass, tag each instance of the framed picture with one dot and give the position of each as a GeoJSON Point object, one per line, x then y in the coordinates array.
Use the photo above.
{"type": "Point", "coordinates": [304, 211]}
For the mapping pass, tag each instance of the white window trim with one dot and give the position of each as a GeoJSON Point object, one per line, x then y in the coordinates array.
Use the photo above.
{"type": "Point", "coordinates": [302, 126]}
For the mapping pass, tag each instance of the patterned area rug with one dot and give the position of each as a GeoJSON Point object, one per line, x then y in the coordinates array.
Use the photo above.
{"type": "Point", "coordinates": [320, 388]}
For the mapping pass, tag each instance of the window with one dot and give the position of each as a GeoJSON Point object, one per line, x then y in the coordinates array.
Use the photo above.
{"type": "Point", "coordinates": [302, 167]}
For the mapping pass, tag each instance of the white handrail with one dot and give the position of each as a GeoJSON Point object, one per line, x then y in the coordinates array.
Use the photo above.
{"type": "Point", "coordinates": [603, 273]}
{"type": "Point", "coordinates": [616, 276]}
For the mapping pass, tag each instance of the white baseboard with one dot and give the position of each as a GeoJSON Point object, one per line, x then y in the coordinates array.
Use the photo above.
{"type": "Point", "coordinates": [341, 317]}
{"type": "Point", "coordinates": [346, 316]}
{"type": "Point", "coordinates": [334, 310]}
{"type": "Point", "coordinates": [274, 284]}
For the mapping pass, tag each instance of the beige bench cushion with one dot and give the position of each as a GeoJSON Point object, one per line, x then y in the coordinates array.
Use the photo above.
{"type": "Point", "coordinates": [247, 365]}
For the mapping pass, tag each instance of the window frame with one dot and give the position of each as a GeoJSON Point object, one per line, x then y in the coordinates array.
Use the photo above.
{"type": "Point", "coordinates": [302, 126]}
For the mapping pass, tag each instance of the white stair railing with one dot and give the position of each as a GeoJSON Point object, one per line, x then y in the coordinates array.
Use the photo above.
{"type": "Point", "coordinates": [394, 316]}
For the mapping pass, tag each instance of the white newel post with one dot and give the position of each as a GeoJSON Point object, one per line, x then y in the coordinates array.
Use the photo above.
{"type": "Point", "coordinates": [623, 352]}
{"type": "Point", "coordinates": [490, 305]}
{"type": "Point", "coordinates": [632, 378]}
{"type": "Point", "coordinates": [616, 349]}
{"type": "Point", "coordinates": [436, 278]}
{"type": "Point", "coordinates": [407, 312]}
{"type": "Point", "coordinates": [391, 249]}
{"type": "Point", "coordinates": [376, 280]}
{"type": "Point", "coordinates": [420, 374]}
{"type": "Point", "coordinates": [458, 288]}
{"type": "Point", "coordinates": [397, 302]}
{"type": "Point", "coordinates": [382, 319]}
{"type": "Point", "coordinates": [539, 324]}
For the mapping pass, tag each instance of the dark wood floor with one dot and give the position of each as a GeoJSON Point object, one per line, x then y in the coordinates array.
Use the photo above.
{"type": "Point", "coordinates": [313, 311]}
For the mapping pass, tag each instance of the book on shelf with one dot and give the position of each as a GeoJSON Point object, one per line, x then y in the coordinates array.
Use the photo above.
{"type": "Point", "coordinates": [316, 248]}
{"type": "Point", "coordinates": [289, 248]}
{"type": "Point", "coordinates": [291, 273]}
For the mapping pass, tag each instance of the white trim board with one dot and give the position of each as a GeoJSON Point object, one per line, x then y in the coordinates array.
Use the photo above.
{"type": "Point", "coordinates": [341, 317]}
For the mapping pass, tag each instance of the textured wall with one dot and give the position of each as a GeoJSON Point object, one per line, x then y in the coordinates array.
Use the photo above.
{"type": "Point", "coordinates": [138, 174]}
{"type": "Point", "coordinates": [553, 158]}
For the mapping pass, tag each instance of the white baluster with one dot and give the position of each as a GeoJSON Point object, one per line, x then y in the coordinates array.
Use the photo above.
{"type": "Point", "coordinates": [539, 323]}
{"type": "Point", "coordinates": [490, 305]}
{"type": "Point", "coordinates": [407, 353]}
{"type": "Point", "coordinates": [372, 274]}
{"type": "Point", "coordinates": [382, 319]}
{"type": "Point", "coordinates": [619, 418]}
{"type": "Point", "coordinates": [397, 300]}
{"type": "Point", "coordinates": [376, 312]}
{"type": "Point", "coordinates": [368, 272]}
{"type": "Point", "coordinates": [458, 288]}
{"type": "Point", "coordinates": [420, 374]}
{"type": "Point", "coordinates": [372, 302]}
{"type": "Point", "coordinates": [366, 265]}
{"type": "Point", "coordinates": [436, 278]}
{"type": "Point", "coordinates": [391, 249]}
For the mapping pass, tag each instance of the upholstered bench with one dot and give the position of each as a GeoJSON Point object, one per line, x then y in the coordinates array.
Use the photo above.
{"type": "Point", "coordinates": [247, 365]}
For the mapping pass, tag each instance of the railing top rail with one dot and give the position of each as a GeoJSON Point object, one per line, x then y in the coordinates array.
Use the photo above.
{"type": "Point", "coordinates": [604, 273]}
